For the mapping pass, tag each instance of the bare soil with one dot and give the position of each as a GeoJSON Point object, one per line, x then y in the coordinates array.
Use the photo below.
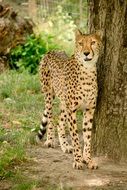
{"type": "Point", "coordinates": [52, 169]}
{"type": "Point", "coordinates": [52, 166]}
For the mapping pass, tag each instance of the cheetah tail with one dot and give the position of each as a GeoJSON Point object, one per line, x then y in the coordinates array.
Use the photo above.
{"type": "Point", "coordinates": [43, 125]}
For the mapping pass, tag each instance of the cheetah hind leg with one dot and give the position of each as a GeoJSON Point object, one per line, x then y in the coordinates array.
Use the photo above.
{"type": "Point", "coordinates": [50, 142]}
{"type": "Point", "coordinates": [65, 146]}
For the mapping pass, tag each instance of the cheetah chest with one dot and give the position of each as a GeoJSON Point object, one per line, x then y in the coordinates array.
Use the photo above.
{"type": "Point", "coordinates": [83, 91]}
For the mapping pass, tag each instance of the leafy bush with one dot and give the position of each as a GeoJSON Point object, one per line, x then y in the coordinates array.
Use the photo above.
{"type": "Point", "coordinates": [27, 56]}
{"type": "Point", "coordinates": [59, 34]}
{"type": "Point", "coordinates": [62, 26]}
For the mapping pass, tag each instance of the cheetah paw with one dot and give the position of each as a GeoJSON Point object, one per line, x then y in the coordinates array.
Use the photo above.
{"type": "Point", "coordinates": [92, 165]}
{"type": "Point", "coordinates": [37, 140]}
{"type": "Point", "coordinates": [49, 143]}
{"type": "Point", "coordinates": [67, 148]}
{"type": "Point", "coordinates": [78, 165]}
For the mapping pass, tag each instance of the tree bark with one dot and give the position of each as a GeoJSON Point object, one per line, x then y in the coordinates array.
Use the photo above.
{"type": "Point", "coordinates": [110, 129]}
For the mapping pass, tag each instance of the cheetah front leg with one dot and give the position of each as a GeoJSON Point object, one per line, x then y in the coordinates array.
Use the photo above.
{"type": "Point", "coordinates": [78, 160]}
{"type": "Point", "coordinates": [87, 130]}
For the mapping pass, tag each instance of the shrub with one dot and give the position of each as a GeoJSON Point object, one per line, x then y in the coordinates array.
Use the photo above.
{"type": "Point", "coordinates": [27, 56]}
{"type": "Point", "coordinates": [62, 26]}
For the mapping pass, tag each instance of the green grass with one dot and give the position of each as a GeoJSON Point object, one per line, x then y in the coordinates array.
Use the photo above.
{"type": "Point", "coordinates": [21, 100]}
{"type": "Point", "coordinates": [21, 105]}
{"type": "Point", "coordinates": [25, 185]}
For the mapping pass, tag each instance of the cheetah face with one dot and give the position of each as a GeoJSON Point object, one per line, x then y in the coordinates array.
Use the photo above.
{"type": "Point", "coordinates": [87, 47]}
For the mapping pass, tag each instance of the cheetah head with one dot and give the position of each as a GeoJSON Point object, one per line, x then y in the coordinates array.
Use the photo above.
{"type": "Point", "coordinates": [87, 47]}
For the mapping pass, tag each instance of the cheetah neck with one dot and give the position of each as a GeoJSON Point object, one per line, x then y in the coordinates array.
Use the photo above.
{"type": "Point", "coordinates": [88, 66]}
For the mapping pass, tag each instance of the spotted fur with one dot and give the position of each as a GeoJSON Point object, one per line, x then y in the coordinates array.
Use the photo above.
{"type": "Point", "coordinates": [74, 81]}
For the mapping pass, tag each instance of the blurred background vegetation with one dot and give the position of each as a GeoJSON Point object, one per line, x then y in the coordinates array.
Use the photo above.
{"type": "Point", "coordinates": [54, 24]}
{"type": "Point", "coordinates": [21, 101]}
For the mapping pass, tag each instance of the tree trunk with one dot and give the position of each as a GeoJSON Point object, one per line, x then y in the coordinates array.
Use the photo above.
{"type": "Point", "coordinates": [110, 134]}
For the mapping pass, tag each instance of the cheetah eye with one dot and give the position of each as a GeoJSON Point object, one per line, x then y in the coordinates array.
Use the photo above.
{"type": "Point", "coordinates": [80, 43]}
{"type": "Point", "coordinates": [93, 42]}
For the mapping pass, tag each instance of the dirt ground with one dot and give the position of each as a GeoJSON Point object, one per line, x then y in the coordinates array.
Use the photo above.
{"type": "Point", "coordinates": [52, 166]}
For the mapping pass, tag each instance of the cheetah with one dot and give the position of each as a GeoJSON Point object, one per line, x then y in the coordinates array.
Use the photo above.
{"type": "Point", "coordinates": [74, 81]}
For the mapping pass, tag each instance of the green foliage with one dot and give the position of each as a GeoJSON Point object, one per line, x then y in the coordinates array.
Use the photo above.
{"type": "Point", "coordinates": [61, 25]}
{"type": "Point", "coordinates": [78, 10]}
{"type": "Point", "coordinates": [28, 56]}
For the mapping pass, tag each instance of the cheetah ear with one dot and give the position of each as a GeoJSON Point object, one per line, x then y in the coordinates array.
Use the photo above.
{"type": "Point", "coordinates": [78, 33]}
{"type": "Point", "coordinates": [99, 33]}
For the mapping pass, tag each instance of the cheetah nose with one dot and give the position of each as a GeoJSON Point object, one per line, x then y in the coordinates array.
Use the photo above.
{"type": "Point", "coordinates": [86, 53]}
